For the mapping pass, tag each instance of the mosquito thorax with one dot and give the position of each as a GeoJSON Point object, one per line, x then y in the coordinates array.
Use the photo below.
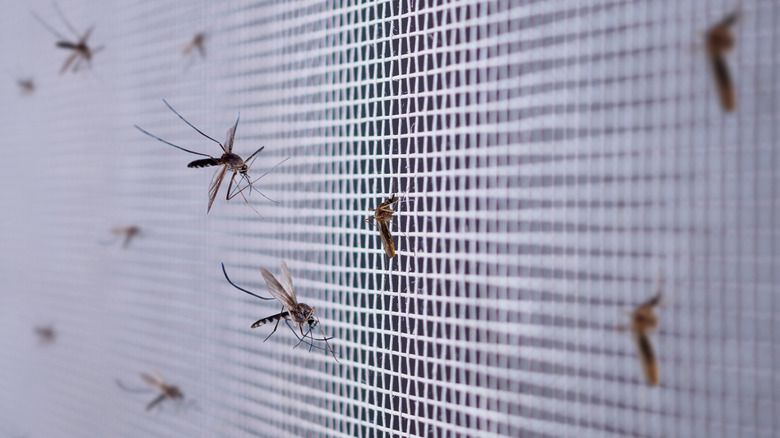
{"type": "Point", "coordinates": [233, 161]}
{"type": "Point", "coordinates": [301, 314]}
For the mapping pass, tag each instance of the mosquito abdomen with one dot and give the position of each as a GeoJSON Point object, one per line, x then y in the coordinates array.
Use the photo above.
{"type": "Point", "coordinates": [273, 318]}
{"type": "Point", "coordinates": [206, 162]}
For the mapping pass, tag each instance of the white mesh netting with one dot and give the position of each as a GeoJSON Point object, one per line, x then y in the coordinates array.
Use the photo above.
{"type": "Point", "coordinates": [561, 161]}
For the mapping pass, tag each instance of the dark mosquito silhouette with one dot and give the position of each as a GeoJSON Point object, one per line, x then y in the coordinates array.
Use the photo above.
{"type": "Point", "coordinates": [299, 313]}
{"type": "Point", "coordinates": [198, 42]}
{"type": "Point", "coordinates": [46, 335]}
{"type": "Point", "coordinates": [643, 321]}
{"type": "Point", "coordinates": [126, 231]}
{"type": "Point", "coordinates": [227, 162]}
{"type": "Point", "coordinates": [80, 50]}
{"type": "Point", "coordinates": [26, 86]}
{"type": "Point", "coordinates": [719, 41]}
{"type": "Point", "coordinates": [157, 383]}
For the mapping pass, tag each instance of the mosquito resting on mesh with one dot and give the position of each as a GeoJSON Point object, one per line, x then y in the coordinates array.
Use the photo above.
{"type": "Point", "coordinates": [80, 50]}
{"type": "Point", "coordinates": [197, 43]}
{"type": "Point", "coordinates": [719, 41]}
{"type": "Point", "coordinates": [643, 321]}
{"type": "Point", "coordinates": [126, 231]}
{"type": "Point", "coordinates": [299, 313]}
{"type": "Point", "coordinates": [157, 383]}
{"type": "Point", "coordinates": [382, 217]}
{"type": "Point", "coordinates": [227, 162]}
{"type": "Point", "coordinates": [26, 86]}
{"type": "Point", "coordinates": [46, 335]}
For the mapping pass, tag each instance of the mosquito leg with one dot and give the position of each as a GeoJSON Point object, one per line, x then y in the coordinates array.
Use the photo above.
{"type": "Point", "coordinates": [275, 327]}
{"type": "Point", "coordinates": [65, 20]}
{"type": "Point", "coordinates": [325, 338]}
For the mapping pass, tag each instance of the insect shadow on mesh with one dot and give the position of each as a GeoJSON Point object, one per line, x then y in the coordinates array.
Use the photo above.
{"type": "Point", "coordinates": [299, 314]}
{"type": "Point", "coordinates": [383, 217]}
{"type": "Point", "coordinates": [227, 162]}
{"type": "Point", "coordinates": [156, 384]}
{"type": "Point", "coordinates": [719, 40]}
{"type": "Point", "coordinates": [643, 321]}
{"type": "Point", "coordinates": [80, 50]}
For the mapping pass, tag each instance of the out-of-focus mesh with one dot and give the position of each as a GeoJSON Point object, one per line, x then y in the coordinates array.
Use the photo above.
{"type": "Point", "coordinates": [560, 161]}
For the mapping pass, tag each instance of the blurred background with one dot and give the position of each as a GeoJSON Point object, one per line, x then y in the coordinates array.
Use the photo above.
{"type": "Point", "coordinates": [561, 161]}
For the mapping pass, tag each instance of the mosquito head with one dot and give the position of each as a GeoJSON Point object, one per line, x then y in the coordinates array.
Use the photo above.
{"type": "Point", "coordinates": [243, 169]}
{"type": "Point", "coordinates": [173, 392]}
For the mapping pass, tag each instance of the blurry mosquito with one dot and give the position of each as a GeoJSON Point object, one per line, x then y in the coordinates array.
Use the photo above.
{"type": "Point", "coordinates": [719, 41]}
{"type": "Point", "coordinates": [643, 321]}
{"type": "Point", "coordinates": [26, 86]}
{"type": "Point", "coordinates": [157, 383]}
{"type": "Point", "coordinates": [197, 43]}
{"type": "Point", "coordinates": [46, 335]}
{"type": "Point", "coordinates": [299, 313]}
{"type": "Point", "coordinates": [227, 162]}
{"type": "Point", "coordinates": [126, 231]}
{"type": "Point", "coordinates": [80, 50]}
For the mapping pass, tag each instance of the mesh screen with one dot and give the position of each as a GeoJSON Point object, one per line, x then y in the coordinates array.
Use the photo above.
{"type": "Point", "coordinates": [560, 161]}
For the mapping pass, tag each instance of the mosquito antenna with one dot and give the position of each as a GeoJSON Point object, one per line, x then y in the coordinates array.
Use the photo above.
{"type": "Point", "coordinates": [191, 125]}
{"type": "Point", "coordinates": [65, 20]}
{"type": "Point", "coordinates": [169, 143]}
{"type": "Point", "coordinates": [49, 28]}
{"type": "Point", "coordinates": [133, 390]}
{"type": "Point", "coordinates": [311, 345]}
{"type": "Point", "coordinates": [239, 288]}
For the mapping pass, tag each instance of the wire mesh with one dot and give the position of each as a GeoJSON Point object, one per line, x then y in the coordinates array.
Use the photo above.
{"type": "Point", "coordinates": [558, 162]}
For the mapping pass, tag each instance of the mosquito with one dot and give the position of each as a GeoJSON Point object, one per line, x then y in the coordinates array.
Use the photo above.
{"type": "Point", "coordinates": [299, 313]}
{"type": "Point", "coordinates": [227, 162]}
{"type": "Point", "coordinates": [46, 335]}
{"type": "Point", "coordinates": [128, 231]}
{"type": "Point", "coordinates": [157, 383]}
{"type": "Point", "coordinates": [643, 321]}
{"type": "Point", "coordinates": [719, 41]}
{"type": "Point", "coordinates": [197, 43]}
{"type": "Point", "coordinates": [80, 50]}
{"type": "Point", "coordinates": [26, 86]}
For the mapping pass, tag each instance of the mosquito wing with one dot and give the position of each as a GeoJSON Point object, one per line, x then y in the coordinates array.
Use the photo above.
{"type": "Point", "coordinates": [286, 280]}
{"type": "Point", "coordinates": [231, 134]}
{"type": "Point", "coordinates": [724, 83]}
{"type": "Point", "coordinates": [152, 381]}
{"type": "Point", "coordinates": [387, 238]}
{"type": "Point", "coordinates": [277, 290]}
{"type": "Point", "coordinates": [647, 358]}
{"type": "Point", "coordinates": [652, 302]}
{"type": "Point", "coordinates": [215, 183]}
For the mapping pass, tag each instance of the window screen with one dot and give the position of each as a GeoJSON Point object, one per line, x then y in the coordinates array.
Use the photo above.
{"type": "Point", "coordinates": [559, 162]}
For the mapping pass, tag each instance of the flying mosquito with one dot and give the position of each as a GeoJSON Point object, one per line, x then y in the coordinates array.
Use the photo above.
{"type": "Point", "coordinates": [197, 43]}
{"type": "Point", "coordinates": [26, 86]}
{"type": "Point", "coordinates": [80, 50]}
{"type": "Point", "coordinates": [292, 310]}
{"type": "Point", "coordinates": [126, 231]}
{"type": "Point", "coordinates": [719, 41]}
{"type": "Point", "coordinates": [643, 321]}
{"type": "Point", "coordinates": [46, 335]}
{"type": "Point", "coordinates": [157, 383]}
{"type": "Point", "coordinates": [227, 162]}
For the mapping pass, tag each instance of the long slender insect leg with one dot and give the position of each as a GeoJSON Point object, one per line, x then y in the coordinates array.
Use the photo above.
{"type": "Point", "coordinates": [275, 327]}
{"type": "Point", "coordinates": [325, 338]}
